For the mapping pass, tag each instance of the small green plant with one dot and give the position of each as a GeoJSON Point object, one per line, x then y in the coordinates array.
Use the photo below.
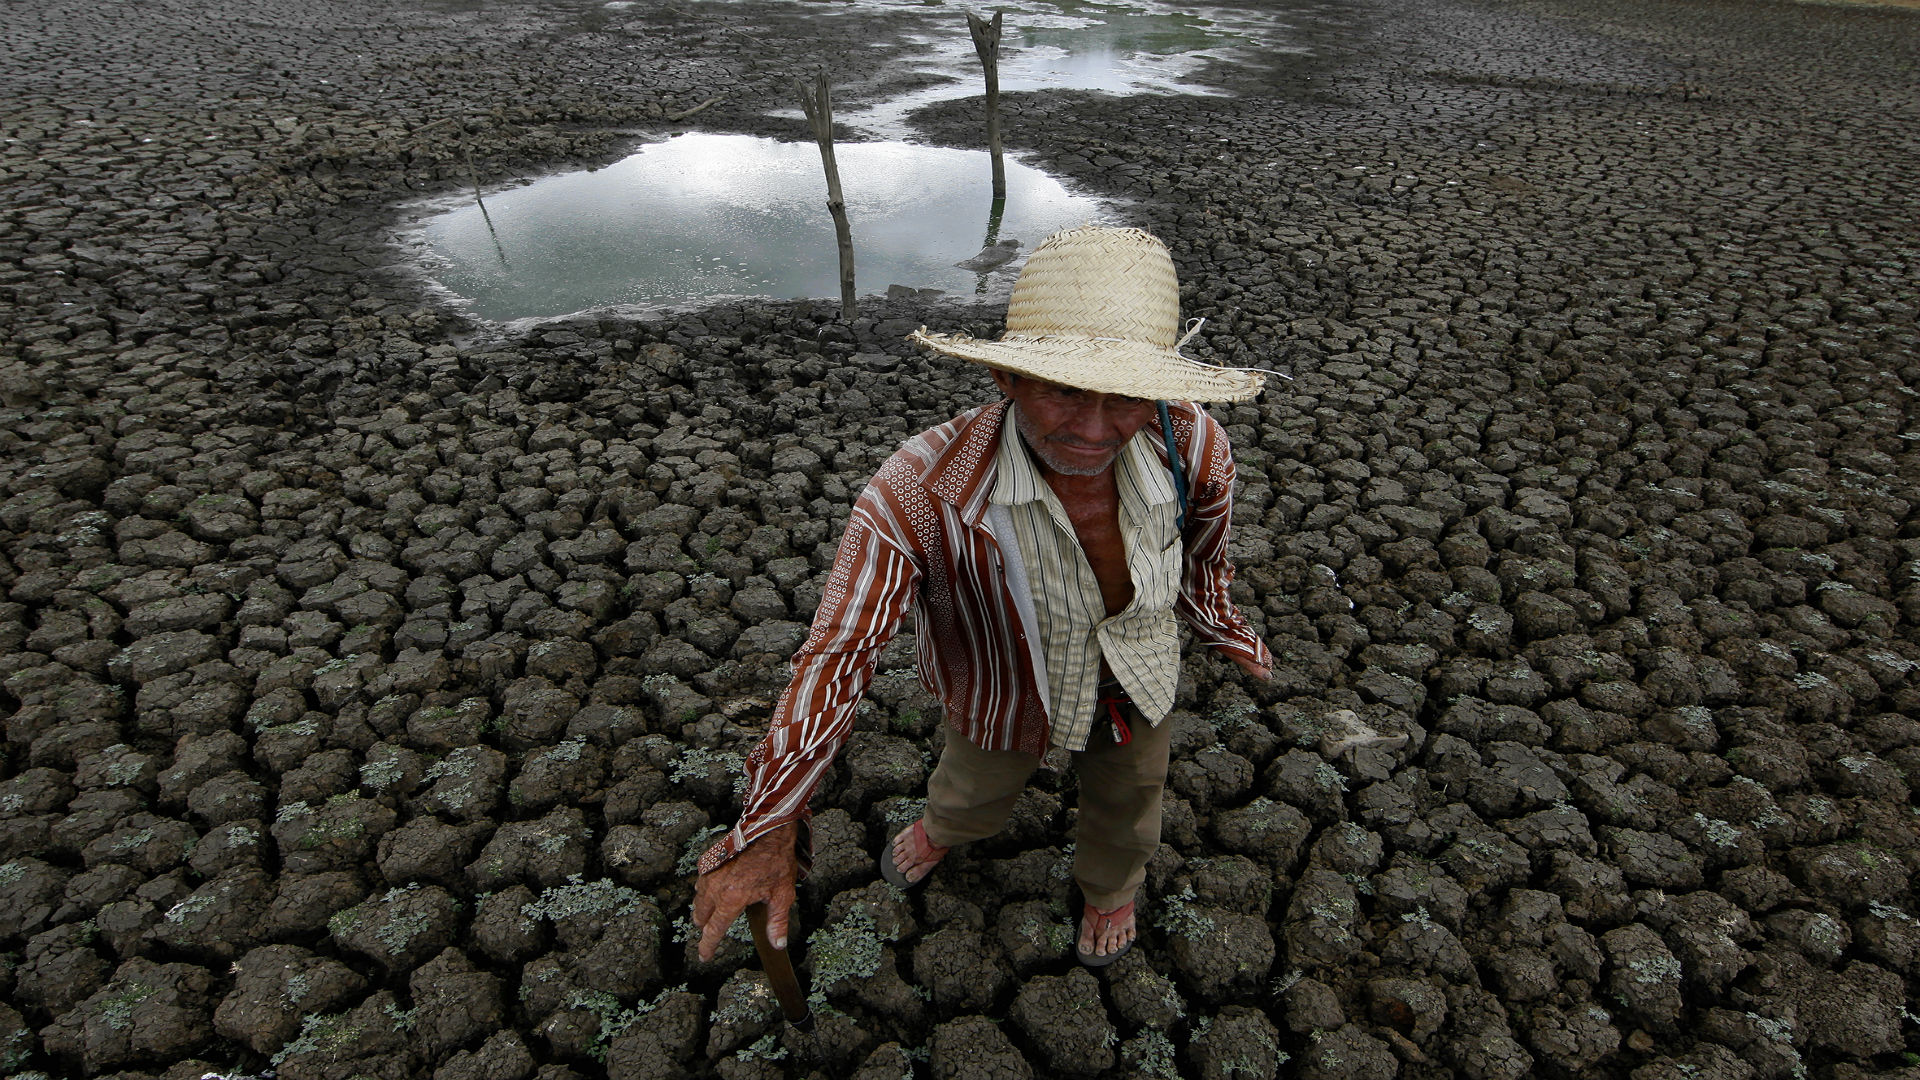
{"type": "Point", "coordinates": [1179, 916]}
{"type": "Point", "coordinates": [402, 1018]}
{"type": "Point", "coordinates": [767, 1049]}
{"type": "Point", "coordinates": [848, 949]}
{"type": "Point", "coordinates": [1329, 778]}
{"type": "Point", "coordinates": [398, 931]}
{"type": "Point", "coordinates": [1234, 715]}
{"type": "Point", "coordinates": [1419, 917]}
{"type": "Point", "coordinates": [754, 1002]}
{"type": "Point", "coordinates": [15, 1050]}
{"type": "Point", "coordinates": [319, 1035]}
{"type": "Point", "coordinates": [117, 1009]}
{"type": "Point", "coordinates": [133, 841]}
{"type": "Point", "coordinates": [1062, 869]}
{"type": "Point", "coordinates": [343, 923]}
{"type": "Point", "coordinates": [698, 762]}
{"type": "Point", "coordinates": [613, 1019]}
{"type": "Point", "coordinates": [577, 897]}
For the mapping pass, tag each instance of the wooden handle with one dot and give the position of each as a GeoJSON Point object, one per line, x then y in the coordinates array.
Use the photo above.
{"type": "Point", "coordinates": [779, 968]}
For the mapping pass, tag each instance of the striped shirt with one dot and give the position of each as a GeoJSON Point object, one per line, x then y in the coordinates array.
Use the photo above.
{"type": "Point", "coordinates": [918, 538]}
{"type": "Point", "coordinates": [1141, 644]}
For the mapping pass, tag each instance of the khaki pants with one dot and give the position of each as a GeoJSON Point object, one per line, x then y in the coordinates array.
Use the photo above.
{"type": "Point", "coordinates": [972, 792]}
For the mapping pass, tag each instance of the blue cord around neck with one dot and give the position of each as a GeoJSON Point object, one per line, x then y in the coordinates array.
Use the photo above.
{"type": "Point", "coordinates": [1174, 463]}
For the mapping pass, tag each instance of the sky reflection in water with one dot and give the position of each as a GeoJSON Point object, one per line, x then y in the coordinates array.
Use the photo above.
{"type": "Point", "coordinates": [705, 216]}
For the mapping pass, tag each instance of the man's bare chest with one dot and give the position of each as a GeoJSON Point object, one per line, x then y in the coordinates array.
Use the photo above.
{"type": "Point", "coordinates": [1096, 525]}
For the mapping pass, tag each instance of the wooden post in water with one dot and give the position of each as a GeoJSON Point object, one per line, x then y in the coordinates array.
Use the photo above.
{"type": "Point", "coordinates": [986, 42]}
{"type": "Point", "coordinates": [814, 98]}
{"type": "Point", "coordinates": [473, 175]}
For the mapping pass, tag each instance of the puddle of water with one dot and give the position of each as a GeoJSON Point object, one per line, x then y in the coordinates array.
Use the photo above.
{"type": "Point", "coordinates": [1146, 47]}
{"type": "Point", "coordinates": [704, 217]}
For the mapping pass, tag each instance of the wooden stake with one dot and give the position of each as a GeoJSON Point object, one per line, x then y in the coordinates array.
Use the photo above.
{"type": "Point", "coordinates": [474, 176]}
{"type": "Point", "coordinates": [986, 42]}
{"type": "Point", "coordinates": [815, 99]}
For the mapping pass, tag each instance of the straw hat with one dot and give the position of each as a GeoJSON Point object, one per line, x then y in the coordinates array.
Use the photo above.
{"type": "Point", "coordinates": [1099, 309]}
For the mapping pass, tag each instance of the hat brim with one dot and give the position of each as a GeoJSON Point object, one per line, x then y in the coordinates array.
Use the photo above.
{"type": "Point", "coordinates": [1105, 366]}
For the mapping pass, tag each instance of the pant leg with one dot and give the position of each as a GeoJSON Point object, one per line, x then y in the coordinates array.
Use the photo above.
{"type": "Point", "coordinates": [1120, 791]}
{"type": "Point", "coordinates": [972, 791]}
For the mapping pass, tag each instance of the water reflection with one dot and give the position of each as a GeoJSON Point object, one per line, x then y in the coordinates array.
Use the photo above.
{"type": "Point", "coordinates": [702, 216]}
{"type": "Point", "coordinates": [1076, 45]}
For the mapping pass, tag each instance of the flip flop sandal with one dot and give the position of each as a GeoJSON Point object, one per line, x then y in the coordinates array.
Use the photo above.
{"type": "Point", "coordinates": [892, 873]}
{"type": "Point", "coordinates": [1118, 914]}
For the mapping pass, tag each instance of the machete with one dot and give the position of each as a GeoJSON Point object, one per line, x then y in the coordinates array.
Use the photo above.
{"type": "Point", "coordinates": [779, 968]}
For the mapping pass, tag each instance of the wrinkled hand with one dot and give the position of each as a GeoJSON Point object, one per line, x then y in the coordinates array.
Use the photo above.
{"type": "Point", "coordinates": [764, 873]}
{"type": "Point", "coordinates": [1251, 667]}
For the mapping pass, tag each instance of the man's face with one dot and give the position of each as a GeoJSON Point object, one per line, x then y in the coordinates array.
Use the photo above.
{"type": "Point", "coordinates": [1073, 432]}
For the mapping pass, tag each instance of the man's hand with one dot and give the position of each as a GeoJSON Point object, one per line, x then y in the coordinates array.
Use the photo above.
{"type": "Point", "coordinates": [764, 873]}
{"type": "Point", "coordinates": [1257, 670]}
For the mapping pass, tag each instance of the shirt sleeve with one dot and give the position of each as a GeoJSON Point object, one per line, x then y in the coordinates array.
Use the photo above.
{"type": "Point", "coordinates": [867, 594]}
{"type": "Point", "coordinates": [1204, 601]}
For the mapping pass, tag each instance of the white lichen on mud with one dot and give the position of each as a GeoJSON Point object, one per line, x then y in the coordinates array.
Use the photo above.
{"type": "Point", "coordinates": [381, 774]}
{"type": "Point", "coordinates": [191, 906]}
{"type": "Point", "coordinates": [1719, 833]}
{"type": "Point", "coordinates": [567, 750]}
{"type": "Point", "coordinates": [1652, 970]}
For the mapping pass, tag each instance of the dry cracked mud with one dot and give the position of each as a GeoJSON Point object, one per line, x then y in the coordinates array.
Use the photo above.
{"type": "Point", "coordinates": [370, 673]}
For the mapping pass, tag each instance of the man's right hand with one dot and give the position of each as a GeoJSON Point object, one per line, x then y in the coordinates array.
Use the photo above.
{"type": "Point", "coordinates": [763, 873]}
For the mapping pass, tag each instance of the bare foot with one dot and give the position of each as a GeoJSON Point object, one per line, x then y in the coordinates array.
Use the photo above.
{"type": "Point", "coordinates": [1104, 933]}
{"type": "Point", "coordinates": [914, 855]}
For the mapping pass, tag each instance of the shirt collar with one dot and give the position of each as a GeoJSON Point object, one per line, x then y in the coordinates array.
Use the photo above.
{"type": "Point", "coordinates": [1016, 478]}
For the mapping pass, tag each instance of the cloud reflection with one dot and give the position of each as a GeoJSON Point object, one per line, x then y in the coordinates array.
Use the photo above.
{"type": "Point", "coordinates": [703, 216]}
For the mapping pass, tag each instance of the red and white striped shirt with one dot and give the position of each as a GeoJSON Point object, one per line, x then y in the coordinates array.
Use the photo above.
{"type": "Point", "coordinates": [919, 538]}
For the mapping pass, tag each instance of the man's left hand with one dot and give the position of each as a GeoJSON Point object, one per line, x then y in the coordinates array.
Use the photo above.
{"type": "Point", "coordinates": [1252, 667]}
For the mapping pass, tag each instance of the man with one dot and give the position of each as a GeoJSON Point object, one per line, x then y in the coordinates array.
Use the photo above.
{"type": "Point", "coordinates": [1048, 545]}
